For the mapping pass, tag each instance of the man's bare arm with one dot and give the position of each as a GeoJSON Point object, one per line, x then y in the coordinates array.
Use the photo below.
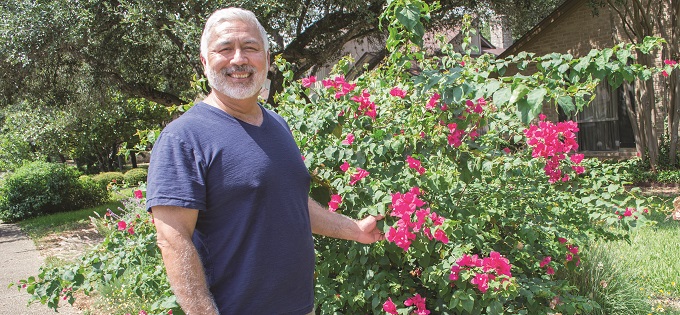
{"type": "Point", "coordinates": [175, 227]}
{"type": "Point", "coordinates": [337, 225]}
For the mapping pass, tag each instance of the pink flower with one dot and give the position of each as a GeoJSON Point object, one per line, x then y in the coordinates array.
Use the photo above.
{"type": "Point", "coordinates": [341, 86]}
{"type": "Point", "coordinates": [572, 249]}
{"type": "Point", "coordinates": [431, 104]}
{"type": "Point", "coordinates": [562, 240]}
{"type": "Point", "coordinates": [441, 236]}
{"type": "Point", "coordinates": [307, 82]}
{"type": "Point", "coordinates": [578, 169]}
{"type": "Point", "coordinates": [576, 158]}
{"type": "Point", "coordinates": [170, 312]}
{"type": "Point", "coordinates": [335, 202]}
{"type": "Point", "coordinates": [455, 272]}
{"type": "Point", "coordinates": [359, 175]}
{"type": "Point", "coordinates": [499, 264]}
{"type": "Point", "coordinates": [670, 62]}
{"type": "Point", "coordinates": [475, 107]}
{"type": "Point", "coordinates": [506, 150]}
{"type": "Point", "coordinates": [366, 106]}
{"type": "Point", "coordinates": [402, 237]}
{"type": "Point", "coordinates": [415, 164]}
{"type": "Point", "coordinates": [131, 230]}
{"type": "Point", "coordinates": [349, 139]}
{"type": "Point", "coordinates": [469, 261]}
{"type": "Point", "coordinates": [138, 194]}
{"type": "Point", "coordinates": [398, 92]}
{"type": "Point", "coordinates": [455, 136]}
{"type": "Point", "coordinates": [550, 271]}
{"type": "Point", "coordinates": [551, 142]}
{"type": "Point", "coordinates": [417, 301]}
{"type": "Point", "coordinates": [122, 225]}
{"type": "Point", "coordinates": [344, 167]}
{"type": "Point", "coordinates": [142, 313]}
{"type": "Point", "coordinates": [482, 282]}
{"type": "Point", "coordinates": [664, 73]}
{"type": "Point", "coordinates": [628, 212]}
{"type": "Point", "coordinates": [389, 307]}
{"type": "Point", "coordinates": [545, 261]}
{"type": "Point", "coordinates": [542, 117]}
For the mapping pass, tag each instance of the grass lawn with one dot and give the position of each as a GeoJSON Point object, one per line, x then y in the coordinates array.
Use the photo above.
{"type": "Point", "coordinates": [652, 260]}
{"type": "Point", "coordinates": [42, 226]}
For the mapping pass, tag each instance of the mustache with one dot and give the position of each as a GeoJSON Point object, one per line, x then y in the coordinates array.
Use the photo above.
{"type": "Point", "coordinates": [239, 68]}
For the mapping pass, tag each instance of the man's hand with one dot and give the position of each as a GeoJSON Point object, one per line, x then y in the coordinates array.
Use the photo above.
{"type": "Point", "coordinates": [369, 230]}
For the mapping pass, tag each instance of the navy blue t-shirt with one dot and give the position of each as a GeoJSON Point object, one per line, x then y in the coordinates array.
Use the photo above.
{"type": "Point", "coordinates": [250, 186]}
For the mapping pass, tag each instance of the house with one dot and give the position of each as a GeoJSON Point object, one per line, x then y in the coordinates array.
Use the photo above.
{"type": "Point", "coordinates": [572, 28]}
{"type": "Point", "coordinates": [370, 50]}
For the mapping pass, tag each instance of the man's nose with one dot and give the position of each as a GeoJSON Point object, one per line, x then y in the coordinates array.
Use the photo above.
{"type": "Point", "coordinates": [239, 57]}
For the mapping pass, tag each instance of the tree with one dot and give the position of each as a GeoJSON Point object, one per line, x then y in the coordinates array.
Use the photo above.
{"type": "Point", "coordinates": [149, 48]}
{"type": "Point", "coordinates": [90, 134]}
{"type": "Point", "coordinates": [642, 18]}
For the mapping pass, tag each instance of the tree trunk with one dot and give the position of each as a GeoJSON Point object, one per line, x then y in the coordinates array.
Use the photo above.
{"type": "Point", "coordinates": [632, 116]}
{"type": "Point", "coordinates": [673, 118]}
{"type": "Point", "coordinates": [121, 162]}
{"type": "Point", "coordinates": [645, 99]}
{"type": "Point", "coordinates": [672, 35]}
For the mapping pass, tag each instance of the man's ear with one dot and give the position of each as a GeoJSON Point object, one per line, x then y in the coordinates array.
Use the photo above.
{"type": "Point", "coordinates": [203, 62]}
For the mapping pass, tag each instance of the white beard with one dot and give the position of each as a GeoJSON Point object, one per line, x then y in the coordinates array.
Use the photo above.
{"type": "Point", "coordinates": [219, 82]}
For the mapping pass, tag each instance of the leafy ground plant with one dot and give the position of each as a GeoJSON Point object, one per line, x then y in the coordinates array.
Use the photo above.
{"type": "Point", "coordinates": [125, 270]}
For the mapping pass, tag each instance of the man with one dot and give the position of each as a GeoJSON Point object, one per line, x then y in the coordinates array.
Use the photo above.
{"type": "Point", "coordinates": [229, 191]}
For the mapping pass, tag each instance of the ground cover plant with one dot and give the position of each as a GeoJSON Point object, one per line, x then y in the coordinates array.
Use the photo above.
{"type": "Point", "coordinates": [487, 206]}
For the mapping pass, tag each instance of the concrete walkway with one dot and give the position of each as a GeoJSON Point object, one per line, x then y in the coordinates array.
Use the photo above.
{"type": "Point", "coordinates": [19, 259]}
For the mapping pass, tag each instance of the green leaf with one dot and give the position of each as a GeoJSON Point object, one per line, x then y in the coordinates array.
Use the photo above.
{"type": "Point", "coordinates": [68, 275]}
{"type": "Point", "coordinates": [529, 108]}
{"type": "Point", "coordinates": [496, 307]}
{"type": "Point", "coordinates": [623, 55]}
{"type": "Point", "coordinates": [502, 96]}
{"type": "Point", "coordinates": [468, 303]}
{"type": "Point", "coordinates": [566, 102]}
{"type": "Point", "coordinates": [492, 86]}
{"type": "Point", "coordinates": [518, 93]}
{"type": "Point", "coordinates": [409, 16]}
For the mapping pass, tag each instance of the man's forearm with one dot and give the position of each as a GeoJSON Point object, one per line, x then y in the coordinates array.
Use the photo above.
{"type": "Point", "coordinates": [187, 277]}
{"type": "Point", "coordinates": [331, 224]}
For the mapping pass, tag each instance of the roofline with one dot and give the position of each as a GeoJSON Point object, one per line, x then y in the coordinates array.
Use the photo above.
{"type": "Point", "coordinates": [556, 14]}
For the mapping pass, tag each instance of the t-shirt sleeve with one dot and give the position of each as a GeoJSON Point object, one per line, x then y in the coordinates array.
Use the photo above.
{"type": "Point", "coordinates": [176, 175]}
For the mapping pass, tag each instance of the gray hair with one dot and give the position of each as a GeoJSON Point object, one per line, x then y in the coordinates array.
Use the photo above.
{"type": "Point", "coordinates": [230, 14]}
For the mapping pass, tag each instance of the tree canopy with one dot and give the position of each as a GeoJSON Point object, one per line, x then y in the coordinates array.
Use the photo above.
{"type": "Point", "coordinates": [66, 64]}
{"type": "Point", "coordinates": [149, 48]}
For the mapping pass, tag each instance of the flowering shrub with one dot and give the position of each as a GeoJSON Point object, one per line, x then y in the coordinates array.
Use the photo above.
{"type": "Point", "coordinates": [486, 204]}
